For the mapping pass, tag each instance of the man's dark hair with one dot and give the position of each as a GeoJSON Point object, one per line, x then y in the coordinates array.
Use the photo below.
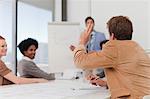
{"type": "Point", "coordinates": [89, 17]}
{"type": "Point", "coordinates": [121, 26]}
{"type": "Point", "coordinates": [25, 44]}
{"type": "Point", "coordinates": [103, 42]}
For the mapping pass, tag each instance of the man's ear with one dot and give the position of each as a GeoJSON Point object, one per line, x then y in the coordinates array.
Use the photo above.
{"type": "Point", "coordinates": [112, 37]}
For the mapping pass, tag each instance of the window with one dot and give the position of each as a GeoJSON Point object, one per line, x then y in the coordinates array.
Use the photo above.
{"type": "Point", "coordinates": [33, 23]}
{"type": "Point", "coordinates": [6, 28]}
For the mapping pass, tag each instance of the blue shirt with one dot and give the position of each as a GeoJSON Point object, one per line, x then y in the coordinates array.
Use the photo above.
{"type": "Point", "coordinates": [94, 45]}
{"type": "Point", "coordinates": [94, 42]}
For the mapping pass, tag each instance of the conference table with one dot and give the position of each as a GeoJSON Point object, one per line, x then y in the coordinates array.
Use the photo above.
{"type": "Point", "coordinates": [57, 89]}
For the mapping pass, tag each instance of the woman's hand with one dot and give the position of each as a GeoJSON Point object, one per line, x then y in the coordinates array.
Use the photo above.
{"type": "Point", "coordinates": [41, 80]}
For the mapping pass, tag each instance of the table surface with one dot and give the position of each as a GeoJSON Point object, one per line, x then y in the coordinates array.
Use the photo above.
{"type": "Point", "coordinates": [58, 89]}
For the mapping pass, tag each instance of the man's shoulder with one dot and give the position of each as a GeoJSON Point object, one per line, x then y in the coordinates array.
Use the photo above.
{"type": "Point", "coordinates": [111, 43]}
{"type": "Point", "coordinates": [121, 43]}
{"type": "Point", "coordinates": [99, 33]}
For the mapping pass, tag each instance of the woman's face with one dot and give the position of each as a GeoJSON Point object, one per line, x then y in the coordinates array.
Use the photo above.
{"type": "Point", "coordinates": [31, 51]}
{"type": "Point", "coordinates": [3, 47]}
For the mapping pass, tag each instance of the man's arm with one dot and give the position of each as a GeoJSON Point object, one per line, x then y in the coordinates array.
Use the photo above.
{"type": "Point", "coordinates": [105, 58]}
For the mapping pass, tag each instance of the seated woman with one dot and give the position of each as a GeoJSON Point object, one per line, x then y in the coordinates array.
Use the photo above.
{"type": "Point", "coordinates": [26, 66]}
{"type": "Point", "coordinates": [6, 75]}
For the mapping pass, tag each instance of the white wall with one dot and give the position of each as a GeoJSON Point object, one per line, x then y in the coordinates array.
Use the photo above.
{"type": "Point", "coordinates": [78, 10]}
{"type": "Point", "coordinates": [57, 10]}
{"type": "Point", "coordinates": [102, 10]}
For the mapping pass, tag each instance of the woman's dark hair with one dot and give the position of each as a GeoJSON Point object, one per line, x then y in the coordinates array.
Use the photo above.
{"type": "Point", "coordinates": [121, 27]}
{"type": "Point", "coordinates": [103, 42]}
{"type": "Point", "coordinates": [25, 44]}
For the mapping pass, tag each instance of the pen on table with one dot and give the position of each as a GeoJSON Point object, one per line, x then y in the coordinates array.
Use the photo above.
{"type": "Point", "coordinates": [84, 88]}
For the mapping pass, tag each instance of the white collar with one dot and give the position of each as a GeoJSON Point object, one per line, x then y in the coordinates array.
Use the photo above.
{"type": "Point", "coordinates": [27, 58]}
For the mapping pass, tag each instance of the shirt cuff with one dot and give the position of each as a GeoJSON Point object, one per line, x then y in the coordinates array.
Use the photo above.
{"type": "Point", "coordinates": [79, 48]}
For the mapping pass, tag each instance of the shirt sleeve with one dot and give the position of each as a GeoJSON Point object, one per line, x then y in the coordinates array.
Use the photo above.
{"type": "Point", "coordinates": [106, 58]}
{"type": "Point", "coordinates": [3, 69]}
{"type": "Point", "coordinates": [35, 71]}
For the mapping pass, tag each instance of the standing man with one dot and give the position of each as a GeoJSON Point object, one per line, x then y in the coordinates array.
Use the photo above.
{"type": "Point", "coordinates": [94, 45]}
{"type": "Point", "coordinates": [95, 37]}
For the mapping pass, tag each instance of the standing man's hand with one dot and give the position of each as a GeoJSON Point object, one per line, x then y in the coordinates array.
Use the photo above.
{"type": "Point", "coordinates": [72, 47]}
{"type": "Point", "coordinates": [85, 36]}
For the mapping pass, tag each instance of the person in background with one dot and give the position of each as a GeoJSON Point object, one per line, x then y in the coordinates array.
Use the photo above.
{"type": "Point", "coordinates": [95, 36]}
{"type": "Point", "coordinates": [95, 79]}
{"type": "Point", "coordinates": [6, 75]}
{"type": "Point", "coordinates": [26, 66]}
{"type": "Point", "coordinates": [102, 44]}
{"type": "Point", "coordinates": [93, 45]}
{"type": "Point", "coordinates": [126, 64]}
{"type": "Point", "coordinates": [102, 74]}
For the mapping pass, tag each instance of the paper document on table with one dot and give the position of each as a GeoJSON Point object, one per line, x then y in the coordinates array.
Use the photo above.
{"type": "Point", "coordinates": [58, 89]}
{"type": "Point", "coordinates": [86, 86]}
